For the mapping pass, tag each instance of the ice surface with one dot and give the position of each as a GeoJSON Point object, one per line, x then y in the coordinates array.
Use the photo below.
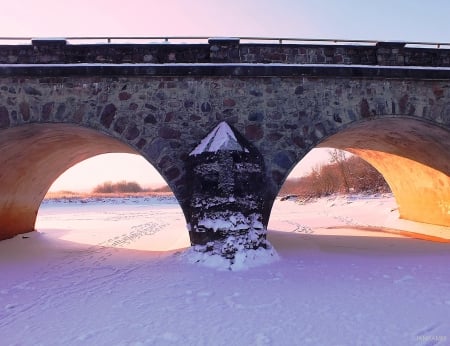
{"type": "Point", "coordinates": [220, 138]}
{"type": "Point", "coordinates": [335, 282]}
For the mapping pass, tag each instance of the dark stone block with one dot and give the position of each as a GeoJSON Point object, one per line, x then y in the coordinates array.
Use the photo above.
{"type": "Point", "coordinates": [47, 110]}
{"type": "Point", "coordinates": [169, 117]}
{"type": "Point", "coordinates": [29, 90]}
{"type": "Point", "coordinates": [283, 160]}
{"type": "Point", "coordinates": [274, 136]}
{"type": "Point", "coordinates": [299, 141]}
{"type": "Point", "coordinates": [141, 143]}
{"type": "Point", "coordinates": [54, 42]}
{"type": "Point", "coordinates": [337, 118]}
{"type": "Point", "coordinates": [133, 106]}
{"type": "Point", "coordinates": [60, 111]}
{"type": "Point", "coordinates": [132, 132]}
{"type": "Point", "coordinates": [172, 173]}
{"type": "Point", "coordinates": [150, 106]}
{"type": "Point", "coordinates": [402, 103]}
{"type": "Point", "coordinates": [24, 109]}
{"type": "Point", "coordinates": [224, 41]}
{"type": "Point", "coordinates": [150, 119]}
{"type": "Point", "coordinates": [79, 114]}
{"type": "Point", "coordinates": [319, 131]}
{"type": "Point", "coordinates": [123, 96]}
{"type": "Point", "coordinates": [256, 116]}
{"type": "Point", "coordinates": [167, 132]}
{"type": "Point", "coordinates": [256, 93]}
{"type": "Point", "coordinates": [364, 108]}
{"type": "Point", "coordinates": [205, 107]}
{"type": "Point", "coordinates": [120, 124]}
{"type": "Point", "coordinates": [277, 177]}
{"type": "Point", "coordinates": [188, 104]}
{"type": "Point", "coordinates": [4, 117]}
{"type": "Point", "coordinates": [229, 103]}
{"type": "Point", "coordinates": [254, 132]}
{"type": "Point", "coordinates": [154, 149]}
{"type": "Point", "coordinates": [299, 90]}
{"type": "Point", "coordinates": [275, 115]}
{"type": "Point", "coordinates": [108, 114]}
{"type": "Point", "coordinates": [165, 162]}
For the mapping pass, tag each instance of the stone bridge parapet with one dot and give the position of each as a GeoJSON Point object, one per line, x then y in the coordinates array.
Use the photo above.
{"type": "Point", "coordinates": [220, 50]}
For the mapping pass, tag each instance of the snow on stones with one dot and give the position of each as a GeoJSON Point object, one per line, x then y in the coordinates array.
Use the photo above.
{"type": "Point", "coordinates": [227, 179]}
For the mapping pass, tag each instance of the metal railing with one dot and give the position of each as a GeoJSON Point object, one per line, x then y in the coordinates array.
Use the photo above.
{"type": "Point", "coordinates": [204, 39]}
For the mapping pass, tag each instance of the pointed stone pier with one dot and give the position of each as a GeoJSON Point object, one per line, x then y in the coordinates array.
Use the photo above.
{"type": "Point", "coordinates": [227, 180]}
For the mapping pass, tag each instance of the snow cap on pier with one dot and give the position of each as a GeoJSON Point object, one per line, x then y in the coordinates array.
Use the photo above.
{"type": "Point", "coordinates": [221, 138]}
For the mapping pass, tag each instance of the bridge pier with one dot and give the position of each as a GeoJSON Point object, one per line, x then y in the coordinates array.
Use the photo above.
{"type": "Point", "coordinates": [227, 199]}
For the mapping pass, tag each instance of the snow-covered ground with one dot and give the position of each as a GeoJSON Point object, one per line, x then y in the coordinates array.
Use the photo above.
{"type": "Point", "coordinates": [112, 272]}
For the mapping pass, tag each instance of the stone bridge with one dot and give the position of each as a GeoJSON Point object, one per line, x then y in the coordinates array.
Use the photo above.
{"type": "Point", "coordinates": [62, 103]}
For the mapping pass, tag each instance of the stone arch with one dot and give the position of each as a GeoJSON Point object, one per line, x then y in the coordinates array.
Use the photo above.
{"type": "Point", "coordinates": [33, 157]}
{"type": "Point", "coordinates": [412, 155]}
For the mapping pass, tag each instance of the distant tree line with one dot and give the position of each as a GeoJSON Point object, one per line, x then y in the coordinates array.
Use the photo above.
{"type": "Point", "coordinates": [126, 187]}
{"type": "Point", "coordinates": [342, 175]}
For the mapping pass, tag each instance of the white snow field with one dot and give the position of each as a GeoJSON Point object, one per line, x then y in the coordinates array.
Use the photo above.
{"type": "Point", "coordinates": [95, 274]}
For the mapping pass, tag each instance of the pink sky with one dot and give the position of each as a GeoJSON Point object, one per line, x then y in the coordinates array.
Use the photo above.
{"type": "Point", "coordinates": [413, 20]}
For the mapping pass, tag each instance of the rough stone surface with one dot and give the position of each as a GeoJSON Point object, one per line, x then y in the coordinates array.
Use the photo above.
{"type": "Point", "coordinates": [227, 198]}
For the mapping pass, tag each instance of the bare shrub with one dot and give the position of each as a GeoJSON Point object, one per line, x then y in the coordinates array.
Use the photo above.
{"type": "Point", "coordinates": [119, 187]}
{"type": "Point", "coordinates": [342, 175]}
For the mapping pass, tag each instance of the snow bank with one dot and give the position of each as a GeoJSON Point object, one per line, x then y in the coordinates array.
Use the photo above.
{"type": "Point", "coordinates": [243, 259]}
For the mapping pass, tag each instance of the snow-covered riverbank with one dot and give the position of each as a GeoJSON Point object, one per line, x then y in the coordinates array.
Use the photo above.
{"type": "Point", "coordinates": [95, 274]}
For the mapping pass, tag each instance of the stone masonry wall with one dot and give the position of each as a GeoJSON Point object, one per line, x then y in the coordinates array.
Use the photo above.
{"type": "Point", "coordinates": [164, 118]}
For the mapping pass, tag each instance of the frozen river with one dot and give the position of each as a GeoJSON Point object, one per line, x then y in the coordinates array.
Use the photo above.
{"type": "Point", "coordinates": [96, 273]}
{"type": "Point", "coordinates": [142, 223]}
{"type": "Point", "coordinates": [158, 224]}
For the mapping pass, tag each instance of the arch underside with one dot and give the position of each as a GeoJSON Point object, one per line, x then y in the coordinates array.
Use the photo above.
{"type": "Point", "coordinates": [413, 157]}
{"type": "Point", "coordinates": [32, 157]}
